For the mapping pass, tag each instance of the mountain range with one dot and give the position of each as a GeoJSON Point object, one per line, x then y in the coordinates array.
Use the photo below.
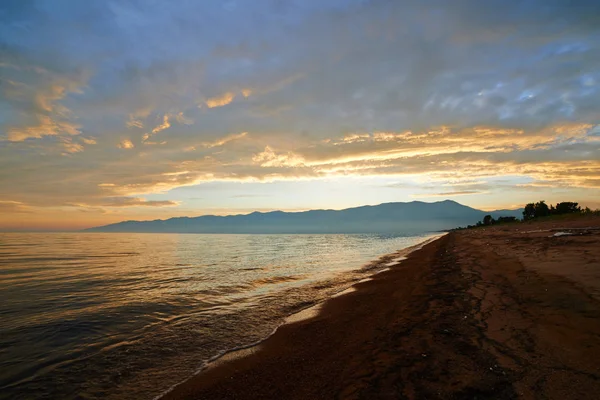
{"type": "Point", "coordinates": [409, 218]}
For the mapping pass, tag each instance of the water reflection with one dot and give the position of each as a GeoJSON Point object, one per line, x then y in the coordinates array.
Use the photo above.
{"type": "Point", "coordinates": [128, 315]}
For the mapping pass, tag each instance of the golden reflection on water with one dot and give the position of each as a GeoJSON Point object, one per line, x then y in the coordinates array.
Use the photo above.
{"type": "Point", "coordinates": [120, 314]}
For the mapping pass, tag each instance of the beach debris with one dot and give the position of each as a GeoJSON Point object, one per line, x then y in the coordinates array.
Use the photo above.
{"type": "Point", "coordinates": [557, 234]}
{"type": "Point", "coordinates": [573, 231]}
{"type": "Point", "coordinates": [589, 228]}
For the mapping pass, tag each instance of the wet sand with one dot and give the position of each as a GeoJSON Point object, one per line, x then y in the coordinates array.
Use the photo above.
{"type": "Point", "coordinates": [505, 312]}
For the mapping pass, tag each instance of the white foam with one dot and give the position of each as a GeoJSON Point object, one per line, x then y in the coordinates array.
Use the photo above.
{"type": "Point", "coordinates": [305, 314]}
{"type": "Point", "coordinates": [343, 292]}
{"type": "Point", "coordinates": [395, 261]}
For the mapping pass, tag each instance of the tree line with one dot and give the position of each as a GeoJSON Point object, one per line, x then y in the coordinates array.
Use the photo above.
{"type": "Point", "coordinates": [541, 209]}
{"type": "Point", "coordinates": [538, 210]}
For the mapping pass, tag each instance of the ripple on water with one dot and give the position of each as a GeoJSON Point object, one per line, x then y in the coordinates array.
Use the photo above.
{"type": "Point", "coordinates": [128, 315]}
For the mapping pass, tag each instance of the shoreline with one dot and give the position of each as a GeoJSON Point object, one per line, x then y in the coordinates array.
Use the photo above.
{"type": "Point", "coordinates": [460, 317]}
{"type": "Point", "coordinates": [387, 260]}
{"type": "Point", "coordinates": [187, 389]}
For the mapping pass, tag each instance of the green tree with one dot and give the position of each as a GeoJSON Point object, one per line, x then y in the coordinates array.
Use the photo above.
{"type": "Point", "coordinates": [567, 207]}
{"type": "Point", "coordinates": [488, 220]}
{"type": "Point", "coordinates": [536, 210]}
{"type": "Point", "coordinates": [529, 211]}
{"type": "Point", "coordinates": [541, 209]}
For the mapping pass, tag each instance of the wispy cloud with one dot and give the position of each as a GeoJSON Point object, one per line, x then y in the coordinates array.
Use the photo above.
{"type": "Point", "coordinates": [36, 97]}
{"type": "Point", "coordinates": [7, 206]}
{"type": "Point", "coordinates": [270, 158]}
{"type": "Point", "coordinates": [448, 194]}
{"type": "Point", "coordinates": [136, 202]}
{"type": "Point", "coordinates": [247, 196]}
{"type": "Point", "coordinates": [133, 122]}
{"type": "Point", "coordinates": [161, 127]}
{"type": "Point", "coordinates": [224, 140]}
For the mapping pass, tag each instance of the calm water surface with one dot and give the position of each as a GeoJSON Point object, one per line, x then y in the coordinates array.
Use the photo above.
{"type": "Point", "coordinates": [94, 315]}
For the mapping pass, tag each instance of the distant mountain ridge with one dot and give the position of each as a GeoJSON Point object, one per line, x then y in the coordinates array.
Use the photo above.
{"type": "Point", "coordinates": [411, 217]}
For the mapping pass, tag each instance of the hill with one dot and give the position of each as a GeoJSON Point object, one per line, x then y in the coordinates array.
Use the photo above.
{"type": "Point", "coordinates": [411, 217]}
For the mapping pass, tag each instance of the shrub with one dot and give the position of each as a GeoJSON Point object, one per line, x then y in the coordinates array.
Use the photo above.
{"type": "Point", "coordinates": [503, 220]}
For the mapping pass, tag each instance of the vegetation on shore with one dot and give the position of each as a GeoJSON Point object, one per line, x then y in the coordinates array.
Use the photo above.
{"type": "Point", "coordinates": [533, 211]}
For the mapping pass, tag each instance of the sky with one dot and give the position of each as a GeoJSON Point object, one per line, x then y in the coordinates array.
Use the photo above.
{"type": "Point", "coordinates": [142, 109]}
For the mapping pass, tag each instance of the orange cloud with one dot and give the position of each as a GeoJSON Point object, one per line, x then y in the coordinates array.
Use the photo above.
{"type": "Point", "coordinates": [226, 98]}
{"type": "Point", "coordinates": [137, 202]}
{"type": "Point", "coordinates": [132, 122]}
{"type": "Point", "coordinates": [269, 158]}
{"type": "Point", "coordinates": [69, 146]}
{"type": "Point", "coordinates": [44, 126]}
{"type": "Point", "coordinates": [226, 139]}
{"type": "Point", "coordinates": [126, 144]}
{"type": "Point", "coordinates": [449, 194]}
{"type": "Point", "coordinates": [7, 206]}
{"type": "Point", "coordinates": [220, 101]}
{"type": "Point", "coordinates": [43, 115]}
{"type": "Point", "coordinates": [165, 125]}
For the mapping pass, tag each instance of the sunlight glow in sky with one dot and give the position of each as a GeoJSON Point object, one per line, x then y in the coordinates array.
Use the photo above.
{"type": "Point", "coordinates": [116, 110]}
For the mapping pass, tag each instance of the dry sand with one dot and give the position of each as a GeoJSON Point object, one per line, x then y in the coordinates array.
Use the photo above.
{"type": "Point", "coordinates": [490, 313]}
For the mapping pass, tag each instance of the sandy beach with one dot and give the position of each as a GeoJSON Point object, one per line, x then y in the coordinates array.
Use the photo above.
{"type": "Point", "coordinates": [511, 311]}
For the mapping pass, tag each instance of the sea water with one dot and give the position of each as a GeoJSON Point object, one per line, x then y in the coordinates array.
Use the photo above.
{"type": "Point", "coordinates": [117, 315]}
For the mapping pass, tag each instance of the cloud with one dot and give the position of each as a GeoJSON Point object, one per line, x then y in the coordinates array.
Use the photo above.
{"type": "Point", "coordinates": [161, 127]}
{"type": "Point", "coordinates": [35, 96]}
{"type": "Point", "coordinates": [7, 206]}
{"type": "Point", "coordinates": [126, 144]}
{"type": "Point", "coordinates": [225, 140]}
{"type": "Point", "coordinates": [226, 98]}
{"type": "Point", "coordinates": [165, 125]}
{"type": "Point", "coordinates": [448, 194]}
{"type": "Point", "coordinates": [311, 90]}
{"type": "Point", "coordinates": [218, 142]}
{"type": "Point", "coordinates": [132, 122]}
{"type": "Point", "coordinates": [69, 146]}
{"type": "Point", "coordinates": [179, 117]}
{"type": "Point", "coordinates": [182, 119]}
{"type": "Point", "coordinates": [41, 126]}
{"type": "Point", "coordinates": [269, 158]}
{"type": "Point", "coordinates": [136, 202]}
{"type": "Point", "coordinates": [220, 101]}
{"type": "Point", "coordinates": [245, 196]}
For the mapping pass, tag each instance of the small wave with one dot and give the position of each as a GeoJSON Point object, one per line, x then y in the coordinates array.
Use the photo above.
{"type": "Point", "coordinates": [300, 311]}
{"type": "Point", "coordinates": [178, 305]}
{"type": "Point", "coordinates": [276, 280]}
